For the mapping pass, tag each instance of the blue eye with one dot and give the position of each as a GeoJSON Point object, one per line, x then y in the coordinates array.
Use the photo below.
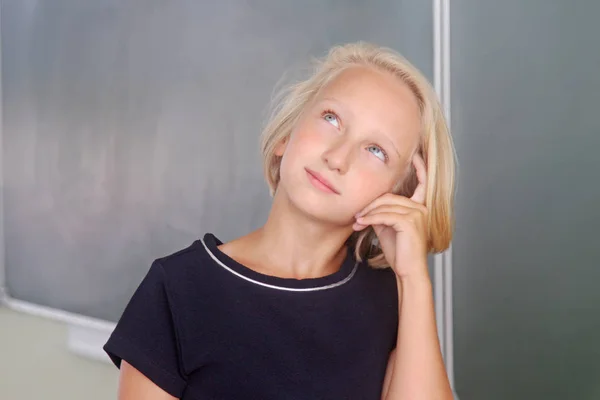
{"type": "Point", "coordinates": [331, 118]}
{"type": "Point", "coordinates": [378, 152]}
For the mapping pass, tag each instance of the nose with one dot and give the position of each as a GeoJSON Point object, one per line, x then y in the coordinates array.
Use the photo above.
{"type": "Point", "coordinates": [339, 156]}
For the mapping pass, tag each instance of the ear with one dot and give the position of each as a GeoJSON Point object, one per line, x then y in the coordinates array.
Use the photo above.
{"type": "Point", "coordinates": [281, 146]}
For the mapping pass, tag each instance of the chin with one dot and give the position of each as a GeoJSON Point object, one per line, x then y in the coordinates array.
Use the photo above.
{"type": "Point", "coordinates": [320, 206]}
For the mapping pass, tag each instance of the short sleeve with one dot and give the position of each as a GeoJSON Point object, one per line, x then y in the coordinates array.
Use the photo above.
{"type": "Point", "coordinates": [146, 335]}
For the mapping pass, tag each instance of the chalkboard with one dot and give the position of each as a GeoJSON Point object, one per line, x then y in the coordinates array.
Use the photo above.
{"type": "Point", "coordinates": [130, 128]}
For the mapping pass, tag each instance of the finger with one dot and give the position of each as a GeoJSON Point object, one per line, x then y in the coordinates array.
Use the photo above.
{"type": "Point", "coordinates": [391, 208]}
{"type": "Point", "coordinates": [421, 190]}
{"type": "Point", "coordinates": [390, 199]}
{"type": "Point", "coordinates": [385, 208]}
{"type": "Point", "coordinates": [410, 215]}
{"type": "Point", "coordinates": [395, 220]}
{"type": "Point", "coordinates": [359, 227]}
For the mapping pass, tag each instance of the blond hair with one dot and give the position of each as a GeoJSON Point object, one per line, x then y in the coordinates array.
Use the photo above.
{"type": "Point", "coordinates": [436, 146]}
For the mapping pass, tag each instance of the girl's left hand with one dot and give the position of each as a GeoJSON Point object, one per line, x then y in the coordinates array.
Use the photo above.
{"type": "Point", "coordinates": [400, 224]}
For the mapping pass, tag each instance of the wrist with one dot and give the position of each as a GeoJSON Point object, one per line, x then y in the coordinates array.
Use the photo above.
{"type": "Point", "coordinates": [416, 292]}
{"type": "Point", "coordinates": [416, 271]}
{"type": "Point", "coordinates": [415, 280]}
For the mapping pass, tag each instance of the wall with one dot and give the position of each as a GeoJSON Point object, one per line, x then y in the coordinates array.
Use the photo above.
{"type": "Point", "coordinates": [35, 363]}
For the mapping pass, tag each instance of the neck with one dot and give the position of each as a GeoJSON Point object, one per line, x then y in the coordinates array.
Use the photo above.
{"type": "Point", "coordinates": [298, 246]}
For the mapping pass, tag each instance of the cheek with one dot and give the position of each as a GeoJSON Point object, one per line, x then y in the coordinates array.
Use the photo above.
{"type": "Point", "coordinates": [371, 183]}
{"type": "Point", "coordinates": [305, 142]}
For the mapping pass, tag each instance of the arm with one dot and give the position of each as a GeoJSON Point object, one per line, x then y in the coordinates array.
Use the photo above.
{"type": "Point", "coordinates": [146, 338]}
{"type": "Point", "coordinates": [416, 371]}
{"type": "Point", "coordinates": [134, 385]}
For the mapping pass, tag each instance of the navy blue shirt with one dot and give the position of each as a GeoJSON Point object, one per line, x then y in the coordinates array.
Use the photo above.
{"type": "Point", "coordinates": [203, 326]}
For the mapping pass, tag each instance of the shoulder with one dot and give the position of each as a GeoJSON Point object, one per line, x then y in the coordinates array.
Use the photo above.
{"type": "Point", "coordinates": [379, 283]}
{"type": "Point", "coordinates": [377, 301]}
{"type": "Point", "coordinates": [182, 259]}
{"type": "Point", "coordinates": [188, 259]}
{"type": "Point", "coordinates": [185, 269]}
{"type": "Point", "coordinates": [385, 278]}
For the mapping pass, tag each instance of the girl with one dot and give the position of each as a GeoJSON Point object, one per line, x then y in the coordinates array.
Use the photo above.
{"type": "Point", "coordinates": [331, 298]}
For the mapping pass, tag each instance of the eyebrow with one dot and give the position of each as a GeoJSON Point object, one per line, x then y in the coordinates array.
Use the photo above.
{"type": "Point", "coordinates": [334, 100]}
{"type": "Point", "coordinates": [389, 140]}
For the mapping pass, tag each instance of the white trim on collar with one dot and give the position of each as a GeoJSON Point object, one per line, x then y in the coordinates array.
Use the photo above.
{"type": "Point", "coordinates": [313, 289]}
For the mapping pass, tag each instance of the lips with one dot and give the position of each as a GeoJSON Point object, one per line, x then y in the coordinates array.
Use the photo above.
{"type": "Point", "coordinates": [322, 180]}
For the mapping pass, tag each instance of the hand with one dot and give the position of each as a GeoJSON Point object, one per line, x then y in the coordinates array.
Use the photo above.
{"type": "Point", "coordinates": [400, 224]}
